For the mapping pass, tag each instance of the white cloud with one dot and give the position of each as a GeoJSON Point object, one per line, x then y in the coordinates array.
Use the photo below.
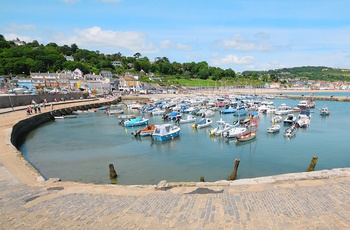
{"type": "Point", "coordinates": [96, 38]}
{"type": "Point", "coordinates": [167, 44]}
{"type": "Point", "coordinates": [232, 59]}
{"type": "Point", "coordinates": [242, 44]}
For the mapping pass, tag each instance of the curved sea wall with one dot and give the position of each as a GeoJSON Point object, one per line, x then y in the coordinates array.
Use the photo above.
{"type": "Point", "coordinates": [23, 127]}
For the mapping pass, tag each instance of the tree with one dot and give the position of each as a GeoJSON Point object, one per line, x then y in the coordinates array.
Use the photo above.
{"type": "Point", "coordinates": [137, 55]}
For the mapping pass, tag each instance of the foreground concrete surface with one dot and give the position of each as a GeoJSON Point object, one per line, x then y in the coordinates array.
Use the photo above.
{"type": "Point", "coordinates": [316, 200]}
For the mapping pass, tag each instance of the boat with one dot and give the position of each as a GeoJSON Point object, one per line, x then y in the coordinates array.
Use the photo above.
{"type": "Point", "coordinates": [221, 128]}
{"type": "Point", "coordinates": [234, 132]}
{"type": "Point", "coordinates": [114, 112]}
{"type": "Point", "coordinates": [138, 121]}
{"type": "Point", "coordinates": [187, 119]}
{"type": "Point", "coordinates": [208, 113]}
{"type": "Point", "coordinates": [324, 111]}
{"type": "Point", "coordinates": [303, 122]}
{"type": "Point", "coordinates": [157, 111]}
{"type": "Point", "coordinates": [276, 119]}
{"type": "Point", "coordinates": [246, 136]}
{"type": "Point", "coordinates": [305, 113]}
{"type": "Point", "coordinates": [165, 132]}
{"type": "Point", "coordinates": [290, 132]}
{"type": "Point", "coordinates": [273, 128]}
{"type": "Point", "coordinates": [147, 131]}
{"type": "Point", "coordinates": [127, 116]}
{"type": "Point", "coordinates": [290, 119]}
{"type": "Point", "coordinates": [204, 122]}
{"type": "Point", "coordinates": [241, 112]}
{"type": "Point", "coordinates": [65, 116]}
{"type": "Point", "coordinates": [228, 110]}
{"type": "Point", "coordinates": [283, 109]}
{"type": "Point", "coordinates": [171, 116]}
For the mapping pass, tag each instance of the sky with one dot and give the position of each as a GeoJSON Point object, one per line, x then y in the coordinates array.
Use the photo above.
{"type": "Point", "coordinates": [237, 34]}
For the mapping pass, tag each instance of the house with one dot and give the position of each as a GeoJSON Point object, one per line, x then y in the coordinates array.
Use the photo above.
{"type": "Point", "coordinates": [49, 80]}
{"type": "Point", "coordinates": [116, 63]}
{"type": "Point", "coordinates": [129, 84]}
{"type": "Point", "coordinates": [93, 77]}
{"type": "Point", "coordinates": [77, 74]}
{"type": "Point", "coordinates": [106, 74]}
{"type": "Point", "coordinates": [69, 58]}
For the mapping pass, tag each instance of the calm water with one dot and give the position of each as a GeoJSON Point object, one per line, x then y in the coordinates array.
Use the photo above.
{"type": "Point", "coordinates": [81, 149]}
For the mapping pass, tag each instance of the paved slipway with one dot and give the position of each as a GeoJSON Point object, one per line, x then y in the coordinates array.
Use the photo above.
{"type": "Point", "coordinates": [314, 200]}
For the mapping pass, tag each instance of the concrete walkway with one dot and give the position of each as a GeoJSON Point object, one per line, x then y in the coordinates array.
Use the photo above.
{"type": "Point", "coordinates": [315, 200]}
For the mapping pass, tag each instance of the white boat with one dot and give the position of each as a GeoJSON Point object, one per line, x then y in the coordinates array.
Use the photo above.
{"type": "Point", "coordinates": [114, 112]}
{"type": "Point", "coordinates": [208, 113]}
{"type": "Point", "coordinates": [283, 109]}
{"type": "Point", "coordinates": [221, 128]}
{"type": "Point", "coordinates": [187, 119]}
{"type": "Point", "coordinates": [246, 136]}
{"type": "Point", "coordinates": [303, 122]}
{"type": "Point", "coordinates": [234, 132]}
{"type": "Point", "coordinates": [324, 111]}
{"type": "Point", "coordinates": [274, 128]}
{"type": "Point", "coordinates": [165, 132]}
{"type": "Point", "coordinates": [290, 132]}
{"type": "Point", "coordinates": [204, 122]}
{"type": "Point", "coordinates": [157, 111]}
{"type": "Point", "coordinates": [290, 119]}
{"type": "Point", "coordinates": [276, 119]}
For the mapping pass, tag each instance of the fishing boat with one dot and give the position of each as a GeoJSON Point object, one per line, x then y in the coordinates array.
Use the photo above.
{"type": "Point", "coordinates": [147, 131]}
{"type": "Point", "coordinates": [138, 121]}
{"type": "Point", "coordinates": [222, 127]}
{"type": "Point", "coordinates": [274, 128]}
{"type": "Point", "coordinates": [324, 111]}
{"type": "Point", "coordinates": [228, 110]}
{"type": "Point", "coordinates": [234, 132]}
{"type": "Point", "coordinates": [171, 116]}
{"type": "Point", "coordinates": [204, 122]}
{"type": "Point", "coordinates": [283, 109]}
{"type": "Point", "coordinates": [165, 132]}
{"type": "Point", "coordinates": [187, 119]}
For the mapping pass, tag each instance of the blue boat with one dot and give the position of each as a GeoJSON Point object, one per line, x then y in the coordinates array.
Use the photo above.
{"type": "Point", "coordinates": [228, 110]}
{"type": "Point", "coordinates": [138, 121]}
{"type": "Point", "coordinates": [165, 132]}
{"type": "Point", "coordinates": [241, 112]}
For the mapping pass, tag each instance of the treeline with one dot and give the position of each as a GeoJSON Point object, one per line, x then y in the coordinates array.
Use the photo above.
{"type": "Point", "coordinates": [34, 57]}
{"type": "Point", "coordinates": [306, 72]}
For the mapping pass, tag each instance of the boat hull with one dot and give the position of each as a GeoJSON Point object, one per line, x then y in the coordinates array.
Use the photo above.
{"type": "Point", "coordinates": [166, 136]}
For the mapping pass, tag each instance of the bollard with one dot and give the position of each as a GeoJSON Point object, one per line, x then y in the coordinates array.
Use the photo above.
{"type": "Point", "coordinates": [233, 176]}
{"type": "Point", "coordinates": [202, 179]}
{"type": "Point", "coordinates": [312, 164]}
{"type": "Point", "coordinates": [112, 172]}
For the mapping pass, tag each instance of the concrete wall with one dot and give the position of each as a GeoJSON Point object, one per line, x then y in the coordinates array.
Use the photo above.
{"type": "Point", "coordinates": [20, 100]}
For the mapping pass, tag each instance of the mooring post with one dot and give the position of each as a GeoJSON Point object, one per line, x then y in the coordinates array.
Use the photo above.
{"type": "Point", "coordinates": [312, 164]}
{"type": "Point", "coordinates": [233, 176]}
{"type": "Point", "coordinates": [202, 179]}
{"type": "Point", "coordinates": [112, 172]}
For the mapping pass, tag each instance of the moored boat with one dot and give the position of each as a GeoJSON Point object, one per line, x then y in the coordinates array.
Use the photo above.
{"type": "Point", "coordinates": [290, 132]}
{"type": "Point", "coordinates": [221, 128]}
{"type": "Point", "coordinates": [273, 128]}
{"type": "Point", "coordinates": [234, 132]}
{"type": "Point", "coordinates": [147, 131]}
{"type": "Point", "coordinates": [138, 121]}
{"type": "Point", "coordinates": [246, 136]}
{"type": "Point", "coordinates": [187, 119]}
{"type": "Point", "coordinates": [290, 119]}
{"type": "Point", "coordinates": [324, 111]}
{"type": "Point", "coordinates": [204, 122]}
{"type": "Point", "coordinates": [165, 132]}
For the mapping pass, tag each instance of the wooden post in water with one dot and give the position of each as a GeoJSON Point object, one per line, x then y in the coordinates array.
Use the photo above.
{"type": "Point", "coordinates": [112, 172]}
{"type": "Point", "coordinates": [233, 176]}
{"type": "Point", "coordinates": [312, 164]}
{"type": "Point", "coordinates": [202, 179]}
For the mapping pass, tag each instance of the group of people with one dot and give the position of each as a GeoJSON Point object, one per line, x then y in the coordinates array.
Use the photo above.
{"type": "Point", "coordinates": [36, 108]}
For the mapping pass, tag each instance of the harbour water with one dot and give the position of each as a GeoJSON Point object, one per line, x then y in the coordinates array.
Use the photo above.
{"type": "Point", "coordinates": [81, 149]}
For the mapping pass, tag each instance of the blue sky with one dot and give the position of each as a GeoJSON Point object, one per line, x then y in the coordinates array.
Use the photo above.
{"type": "Point", "coordinates": [237, 34]}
